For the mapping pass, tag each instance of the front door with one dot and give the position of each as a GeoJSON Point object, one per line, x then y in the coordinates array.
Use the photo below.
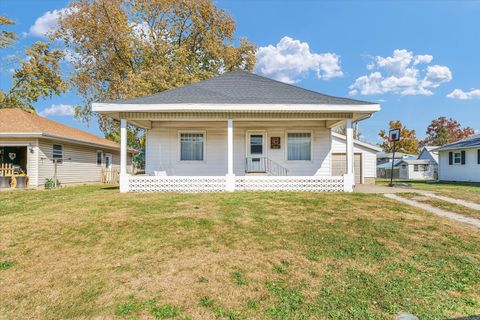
{"type": "Point", "coordinates": [256, 152]}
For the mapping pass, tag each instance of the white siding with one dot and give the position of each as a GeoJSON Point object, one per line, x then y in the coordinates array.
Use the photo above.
{"type": "Point", "coordinates": [408, 172]}
{"type": "Point", "coordinates": [470, 171]}
{"type": "Point", "coordinates": [162, 152]}
{"type": "Point", "coordinates": [81, 168]}
{"type": "Point", "coordinates": [427, 155]}
{"type": "Point", "coordinates": [369, 156]}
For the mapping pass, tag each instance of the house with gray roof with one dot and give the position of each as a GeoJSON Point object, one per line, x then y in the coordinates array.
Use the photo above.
{"type": "Point", "coordinates": [241, 131]}
{"type": "Point", "coordinates": [460, 161]}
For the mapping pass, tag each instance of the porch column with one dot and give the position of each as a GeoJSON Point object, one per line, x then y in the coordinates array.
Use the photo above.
{"type": "Point", "coordinates": [230, 177]}
{"type": "Point", "coordinates": [123, 156]}
{"type": "Point", "coordinates": [349, 177]}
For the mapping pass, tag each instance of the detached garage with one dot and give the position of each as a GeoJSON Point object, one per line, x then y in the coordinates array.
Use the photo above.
{"type": "Point", "coordinates": [365, 159]}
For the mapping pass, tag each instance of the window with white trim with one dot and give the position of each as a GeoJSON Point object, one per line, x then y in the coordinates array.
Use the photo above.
{"type": "Point", "coordinates": [57, 152]}
{"type": "Point", "coordinates": [420, 167]}
{"type": "Point", "coordinates": [299, 146]}
{"type": "Point", "coordinates": [457, 157]}
{"type": "Point", "coordinates": [191, 146]}
{"type": "Point", "coordinates": [99, 158]}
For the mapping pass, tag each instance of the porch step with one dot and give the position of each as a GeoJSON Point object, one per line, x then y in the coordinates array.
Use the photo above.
{"type": "Point", "coordinates": [256, 174]}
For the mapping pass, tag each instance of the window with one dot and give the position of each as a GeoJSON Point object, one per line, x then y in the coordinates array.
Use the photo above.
{"type": "Point", "coordinates": [191, 146]}
{"type": "Point", "coordinates": [457, 157]}
{"type": "Point", "coordinates": [256, 144]}
{"type": "Point", "coordinates": [420, 167]}
{"type": "Point", "coordinates": [57, 152]}
{"type": "Point", "coordinates": [298, 146]}
{"type": "Point", "coordinates": [99, 158]}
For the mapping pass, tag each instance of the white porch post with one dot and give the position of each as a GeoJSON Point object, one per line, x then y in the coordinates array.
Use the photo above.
{"type": "Point", "coordinates": [230, 177]}
{"type": "Point", "coordinates": [123, 156]}
{"type": "Point", "coordinates": [349, 177]}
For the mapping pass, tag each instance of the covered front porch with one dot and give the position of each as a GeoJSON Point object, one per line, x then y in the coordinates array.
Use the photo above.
{"type": "Point", "coordinates": [268, 151]}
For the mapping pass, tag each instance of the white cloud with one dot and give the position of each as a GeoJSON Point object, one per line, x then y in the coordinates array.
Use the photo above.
{"type": "Point", "coordinates": [58, 110]}
{"type": "Point", "coordinates": [464, 95]}
{"type": "Point", "coordinates": [401, 74]}
{"type": "Point", "coordinates": [290, 60]}
{"type": "Point", "coordinates": [47, 22]}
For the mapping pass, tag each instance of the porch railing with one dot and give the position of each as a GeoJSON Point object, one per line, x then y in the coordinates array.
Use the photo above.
{"type": "Point", "coordinates": [110, 175]}
{"type": "Point", "coordinates": [264, 165]}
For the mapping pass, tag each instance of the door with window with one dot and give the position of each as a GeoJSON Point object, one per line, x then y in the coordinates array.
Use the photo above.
{"type": "Point", "coordinates": [256, 152]}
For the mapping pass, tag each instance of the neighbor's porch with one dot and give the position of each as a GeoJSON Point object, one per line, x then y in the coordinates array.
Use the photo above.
{"type": "Point", "coordinates": [211, 152]}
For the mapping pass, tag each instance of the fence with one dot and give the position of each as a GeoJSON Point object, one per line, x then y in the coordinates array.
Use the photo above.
{"type": "Point", "coordinates": [110, 175]}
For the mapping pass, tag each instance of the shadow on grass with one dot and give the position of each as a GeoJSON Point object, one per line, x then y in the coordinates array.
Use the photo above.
{"type": "Point", "coordinates": [476, 317]}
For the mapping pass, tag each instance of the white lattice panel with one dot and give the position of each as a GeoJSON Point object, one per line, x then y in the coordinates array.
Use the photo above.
{"type": "Point", "coordinates": [176, 184]}
{"type": "Point", "coordinates": [290, 183]}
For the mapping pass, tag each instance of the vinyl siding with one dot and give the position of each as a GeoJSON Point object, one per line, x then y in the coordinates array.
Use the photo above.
{"type": "Point", "coordinates": [408, 172]}
{"type": "Point", "coordinates": [82, 166]}
{"type": "Point", "coordinates": [469, 172]}
{"type": "Point", "coordinates": [162, 151]}
{"type": "Point", "coordinates": [369, 156]}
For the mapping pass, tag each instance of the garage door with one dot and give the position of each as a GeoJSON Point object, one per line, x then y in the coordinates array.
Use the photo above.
{"type": "Point", "coordinates": [339, 165]}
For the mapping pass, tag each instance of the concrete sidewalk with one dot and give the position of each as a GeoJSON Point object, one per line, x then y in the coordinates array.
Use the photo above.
{"type": "Point", "coordinates": [439, 212]}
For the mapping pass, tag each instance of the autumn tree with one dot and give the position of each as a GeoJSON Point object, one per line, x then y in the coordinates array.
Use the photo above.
{"type": "Point", "coordinates": [35, 77]}
{"type": "Point", "coordinates": [408, 142]}
{"type": "Point", "coordinates": [442, 131]}
{"type": "Point", "coordinates": [131, 48]}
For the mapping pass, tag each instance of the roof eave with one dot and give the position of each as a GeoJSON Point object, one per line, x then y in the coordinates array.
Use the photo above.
{"type": "Point", "coordinates": [106, 108]}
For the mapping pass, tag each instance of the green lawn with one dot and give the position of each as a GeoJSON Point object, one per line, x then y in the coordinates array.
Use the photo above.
{"type": "Point", "coordinates": [90, 252]}
{"type": "Point", "coordinates": [460, 190]}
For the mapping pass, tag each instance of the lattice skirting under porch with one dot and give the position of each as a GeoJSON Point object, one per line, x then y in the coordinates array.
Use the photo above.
{"type": "Point", "coordinates": [289, 183]}
{"type": "Point", "coordinates": [242, 183]}
{"type": "Point", "coordinates": [176, 184]}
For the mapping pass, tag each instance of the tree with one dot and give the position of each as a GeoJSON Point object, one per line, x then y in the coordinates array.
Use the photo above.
{"type": "Point", "coordinates": [442, 131]}
{"type": "Point", "coordinates": [38, 76]}
{"type": "Point", "coordinates": [342, 129]}
{"type": "Point", "coordinates": [131, 48]}
{"type": "Point", "coordinates": [408, 142]}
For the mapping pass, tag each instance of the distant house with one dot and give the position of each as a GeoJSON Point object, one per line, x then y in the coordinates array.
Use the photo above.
{"type": "Point", "coordinates": [383, 157]}
{"type": "Point", "coordinates": [460, 161]}
{"type": "Point", "coordinates": [423, 167]}
{"type": "Point", "coordinates": [32, 144]}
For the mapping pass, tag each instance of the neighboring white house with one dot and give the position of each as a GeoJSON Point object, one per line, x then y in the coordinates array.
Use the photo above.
{"type": "Point", "coordinates": [383, 157]}
{"type": "Point", "coordinates": [424, 167]}
{"type": "Point", "coordinates": [460, 161]}
{"type": "Point", "coordinates": [365, 159]}
{"type": "Point", "coordinates": [32, 144]}
{"type": "Point", "coordinates": [239, 131]}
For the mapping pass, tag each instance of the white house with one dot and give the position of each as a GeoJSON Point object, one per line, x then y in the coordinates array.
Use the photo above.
{"type": "Point", "coordinates": [42, 148]}
{"type": "Point", "coordinates": [423, 167]}
{"type": "Point", "coordinates": [239, 131]}
{"type": "Point", "coordinates": [460, 161]}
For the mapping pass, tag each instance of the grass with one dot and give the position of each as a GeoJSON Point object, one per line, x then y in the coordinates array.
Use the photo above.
{"type": "Point", "coordinates": [461, 190]}
{"type": "Point", "coordinates": [90, 252]}
{"type": "Point", "coordinates": [442, 204]}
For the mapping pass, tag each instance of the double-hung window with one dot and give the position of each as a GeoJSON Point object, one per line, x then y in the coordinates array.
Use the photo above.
{"type": "Point", "coordinates": [99, 158]}
{"type": "Point", "coordinates": [192, 146]}
{"type": "Point", "coordinates": [299, 146]}
{"type": "Point", "coordinates": [457, 158]}
{"type": "Point", "coordinates": [57, 153]}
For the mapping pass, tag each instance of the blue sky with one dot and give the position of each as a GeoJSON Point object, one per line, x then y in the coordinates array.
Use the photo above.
{"type": "Point", "coordinates": [419, 60]}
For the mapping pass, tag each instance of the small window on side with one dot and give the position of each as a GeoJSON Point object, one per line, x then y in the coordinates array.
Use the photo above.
{"type": "Point", "coordinates": [57, 153]}
{"type": "Point", "coordinates": [99, 158]}
{"type": "Point", "coordinates": [457, 158]}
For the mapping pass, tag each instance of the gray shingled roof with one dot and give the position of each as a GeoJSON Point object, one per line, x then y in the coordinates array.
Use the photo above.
{"type": "Point", "coordinates": [240, 87]}
{"type": "Point", "coordinates": [470, 142]}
